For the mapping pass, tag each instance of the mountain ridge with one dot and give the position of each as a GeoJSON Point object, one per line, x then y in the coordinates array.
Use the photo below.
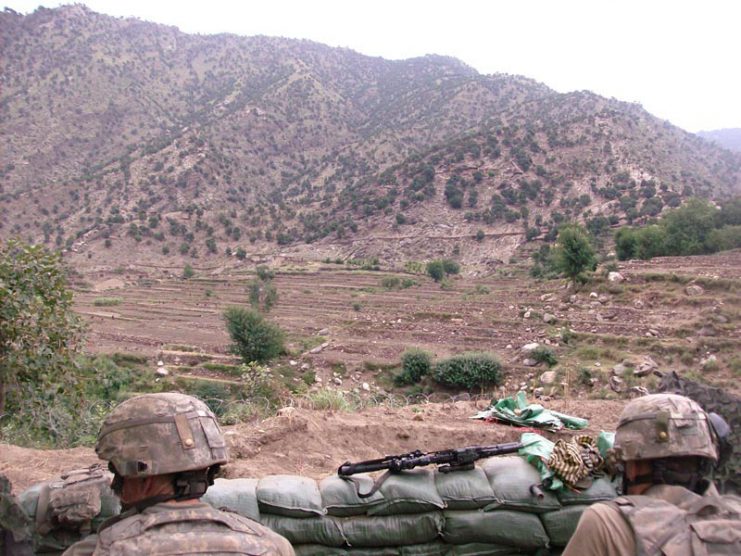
{"type": "Point", "coordinates": [178, 146]}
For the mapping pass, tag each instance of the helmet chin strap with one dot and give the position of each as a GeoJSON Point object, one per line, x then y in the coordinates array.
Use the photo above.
{"type": "Point", "coordinates": [188, 485]}
{"type": "Point", "coordinates": [661, 475]}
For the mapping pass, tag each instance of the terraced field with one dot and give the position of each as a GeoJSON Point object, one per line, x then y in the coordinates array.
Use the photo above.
{"type": "Point", "coordinates": [344, 322]}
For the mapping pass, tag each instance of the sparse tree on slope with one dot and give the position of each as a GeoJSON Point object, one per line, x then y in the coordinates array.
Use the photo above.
{"type": "Point", "coordinates": [574, 254]}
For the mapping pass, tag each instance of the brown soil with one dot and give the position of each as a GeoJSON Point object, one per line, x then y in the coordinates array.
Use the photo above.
{"type": "Point", "coordinates": [314, 443]}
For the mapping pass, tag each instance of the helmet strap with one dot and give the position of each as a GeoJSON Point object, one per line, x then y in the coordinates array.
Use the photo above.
{"type": "Point", "coordinates": [661, 475]}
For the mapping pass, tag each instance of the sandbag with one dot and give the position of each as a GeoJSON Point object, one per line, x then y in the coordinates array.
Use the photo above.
{"type": "Point", "coordinates": [340, 497]}
{"type": "Point", "coordinates": [409, 492]}
{"type": "Point", "coordinates": [502, 527]}
{"type": "Point", "coordinates": [236, 495]}
{"type": "Point", "coordinates": [324, 530]}
{"type": "Point", "coordinates": [483, 549]}
{"type": "Point", "coordinates": [465, 490]}
{"type": "Point", "coordinates": [392, 530]}
{"type": "Point", "coordinates": [601, 490]}
{"type": "Point", "coordinates": [561, 524]}
{"type": "Point", "coordinates": [511, 479]}
{"type": "Point", "coordinates": [289, 496]}
{"type": "Point", "coordinates": [429, 549]}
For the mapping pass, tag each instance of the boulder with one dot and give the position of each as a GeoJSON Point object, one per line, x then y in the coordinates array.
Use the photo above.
{"type": "Point", "coordinates": [549, 318]}
{"type": "Point", "coordinates": [694, 289]}
{"type": "Point", "coordinates": [548, 377]}
{"type": "Point", "coordinates": [615, 277]}
{"type": "Point", "coordinates": [646, 367]}
{"type": "Point", "coordinates": [527, 348]}
{"type": "Point", "coordinates": [529, 362]}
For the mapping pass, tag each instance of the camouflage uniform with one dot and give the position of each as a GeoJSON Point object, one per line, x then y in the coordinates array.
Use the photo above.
{"type": "Point", "coordinates": [172, 434]}
{"type": "Point", "coordinates": [666, 519]}
{"type": "Point", "coordinates": [182, 528]}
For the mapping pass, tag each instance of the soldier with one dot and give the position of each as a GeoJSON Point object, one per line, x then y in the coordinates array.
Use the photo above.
{"type": "Point", "coordinates": [667, 446]}
{"type": "Point", "coordinates": [164, 451]}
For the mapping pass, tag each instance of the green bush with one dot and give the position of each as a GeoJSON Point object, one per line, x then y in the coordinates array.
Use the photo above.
{"type": "Point", "coordinates": [188, 272]}
{"type": "Point", "coordinates": [390, 282]}
{"type": "Point", "coordinates": [415, 363]}
{"type": "Point", "coordinates": [107, 301]}
{"type": "Point", "coordinates": [544, 355]}
{"type": "Point", "coordinates": [436, 270]}
{"type": "Point", "coordinates": [450, 266]}
{"type": "Point", "coordinates": [468, 371]}
{"type": "Point", "coordinates": [254, 338]}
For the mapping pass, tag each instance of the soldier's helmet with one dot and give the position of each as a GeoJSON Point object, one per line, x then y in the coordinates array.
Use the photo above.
{"type": "Point", "coordinates": [157, 434]}
{"type": "Point", "coordinates": [664, 426]}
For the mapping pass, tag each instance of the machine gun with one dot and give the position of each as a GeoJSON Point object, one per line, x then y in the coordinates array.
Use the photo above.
{"type": "Point", "coordinates": [456, 459]}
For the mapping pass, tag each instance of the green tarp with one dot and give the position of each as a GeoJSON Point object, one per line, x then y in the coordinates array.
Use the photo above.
{"type": "Point", "coordinates": [516, 411]}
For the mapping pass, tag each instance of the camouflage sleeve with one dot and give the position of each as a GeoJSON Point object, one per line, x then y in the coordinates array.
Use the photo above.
{"type": "Point", "coordinates": [85, 547]}
{"type": "Point", "coordinates": [602, 531]}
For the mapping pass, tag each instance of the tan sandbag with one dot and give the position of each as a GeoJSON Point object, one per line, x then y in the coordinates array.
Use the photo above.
{"type": "Point", "coordinates": [340, 496]}
{"type": "Point", "coordinates": [561, 524]}
{"type": "Point", "coordinates": [501, 527]}
{"type": "Point", "coordinates": [236, 495]}
{"type": "Point", "coordinates": [290, 496]}
{"type": "Point", "coordinates": [511, 479]}
{"type": "Point", "coordinates": [465, 490]}
{"type": "Point", "coordinates": [392, 530]}
{"type": "Point", "coordinates": [324, 530]}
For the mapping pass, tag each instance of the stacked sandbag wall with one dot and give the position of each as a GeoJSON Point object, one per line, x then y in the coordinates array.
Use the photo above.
{"type": "Point", "coordinates": [490, 510]}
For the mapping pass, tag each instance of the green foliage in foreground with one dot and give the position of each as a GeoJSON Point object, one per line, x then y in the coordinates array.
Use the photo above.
{"type": "Point", "coordinates": [696, 228]}
{"type": "Point", "coordinates": [39, 333]}
{"type": "Point", "coordinates": [469, 371]}
{"type": "Point", "coordinates": [254, 338]}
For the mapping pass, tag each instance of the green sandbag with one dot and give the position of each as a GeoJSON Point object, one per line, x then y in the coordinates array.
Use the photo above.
{"type": "Point", "coordinates": [340, 497]}
{"type": "Point", "coordinates": [560, 525]}
{"type": "Point", "coordinates": [392, 530]}
{"type": "Point", "coordinates": [465, 490]}
{"type": "Point", "coordinates": [484, 549]}
{"type": "Point", "coordinates": [502, 527]}
{"type": "Point", "coordinates": [237, 495]}
{"type": "Point", "coordinates": [429, 549]}
{"type": "Point", "coordinates": [601, 490]}
{"type": "Point", "coordinates": [409, 492]}
{"type": "Point", "coordinates": [325, 531]}
{"type": "Point", "coordinates": [511, 479]}
{"type": "Point", "coordinates": [290, 496]}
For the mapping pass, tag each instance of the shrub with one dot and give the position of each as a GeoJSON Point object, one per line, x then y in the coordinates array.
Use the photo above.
{"type": "Point", "coordinates": [468, 371]}
{"type": "Point", "coordinates": [254, 338]}
{"type": "Point", "coordinates": [436, 270]}
{"type": "Point", "coordinates": [188, 272]}
{"type": "Point", "coordinates": [391, 282]}
{"type": "Point", "coordinates": [415, 363]}
{"type": "Point", "coordinates": [107, 301]}
{"type": "Point", "coordinates": [450, 266]}
{"type": "Point", "coordinates": [545, 355]}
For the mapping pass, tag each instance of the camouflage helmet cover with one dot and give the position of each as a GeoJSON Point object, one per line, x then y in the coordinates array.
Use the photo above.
{"type": "Point", "coordinates": [662, 426]}
{"type": "Point", "coordinates": [156, 434]}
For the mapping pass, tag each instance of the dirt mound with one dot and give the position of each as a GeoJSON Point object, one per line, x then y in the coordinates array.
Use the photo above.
{"type": "Point", "coordinates": [314, 443]}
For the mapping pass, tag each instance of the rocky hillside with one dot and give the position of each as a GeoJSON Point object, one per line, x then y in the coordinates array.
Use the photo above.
{"type": "Point", "coordinates": [125, 140]}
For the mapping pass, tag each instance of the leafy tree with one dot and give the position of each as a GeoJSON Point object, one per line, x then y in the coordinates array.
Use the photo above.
{"type": "Point", "coordinates": [255, 339]}
{"type": "Point", "coordinates": [574, 254]}
{"type": "Point", "coordinates": [436, 270]}
{"type": "Point", "coordinates": [688, 227]}
{"type": "Point", "coordinates": [39, 333]}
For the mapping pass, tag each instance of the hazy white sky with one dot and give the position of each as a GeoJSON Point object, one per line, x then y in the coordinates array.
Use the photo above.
{"type": "Point", "coordinates": [679, 59]}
